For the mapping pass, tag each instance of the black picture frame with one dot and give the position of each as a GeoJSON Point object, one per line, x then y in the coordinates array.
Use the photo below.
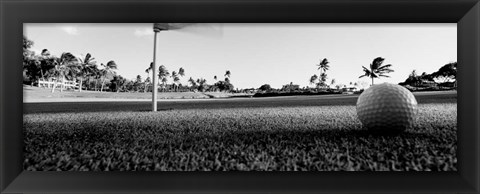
{"type": "Point", "coordinates": [466, 13]}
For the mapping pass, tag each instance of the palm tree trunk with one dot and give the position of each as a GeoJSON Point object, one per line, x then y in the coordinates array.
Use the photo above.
{"type": "Point", "coordinates": [54, 86]}
{"type": "Point", "coordinates": [81, 82]}
{"type": "Point", "coordinates": [372, 81]}
{"type": "Point", "coordinates": [43, 79]}
{"type": "Point", "coordinates": [103, 82]}
{"type": "Point", "coordinates": [96, 83]}
{"type": "Point", "coordinates": [63, 83]}
{"type": "Point", "coordinates": [89, 83]}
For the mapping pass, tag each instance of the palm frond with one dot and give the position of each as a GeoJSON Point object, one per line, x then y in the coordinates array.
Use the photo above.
{"type": "Point", "coordinates": [67, 57]}
{"type": "Point", "coordinates": [386, 71]}
{"type": "Point", "coordinates": [313, 78]}
{"type": "Point", "coordinates": [377, 62]}
{"type": "Point", "coordinates": [149, 68]}
{"type": "Point", "coordinates": [181, 72]}
{"type": "Point", "coordinates": [87, 58]}
{"type": "Point", "coordinates": [365, 69]}
{"type": "Point", "coordinates": [112, 65]}
{"type": "Point", "coordinates": [324, 62]}
{"type": "Point", "coordinates": [385, 66]}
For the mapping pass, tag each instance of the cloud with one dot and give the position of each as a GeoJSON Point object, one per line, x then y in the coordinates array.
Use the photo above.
{"type": "Point", "coordinates": [70, 30]}
{"type": "Point", "coordinates": [143, 32]}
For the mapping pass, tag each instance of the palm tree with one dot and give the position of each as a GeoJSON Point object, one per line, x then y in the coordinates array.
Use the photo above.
{"type": "Point", "coordinates": [192, 82]}
{"type": "Point", "coordinates": [47, 64]}
{"type": "Point", "coordinates": [45, 53]}
{"type": "Point", "coordinates": [164, 82]}
{"type": "Point", "coordinates": [96, 74]}
{"type": "Point", "coordinates": [227, 73]}
{"type": "Point", "coordinates": [138, 81]}
{"type": "Point", "coordinates": [163, 74]}
{"type": "Point", "coordinates": [201, 84]}
{"type": "Point", "coordinates": [323, 66]}
{"type": "Point", "coordinates": [121, 81]}
{"type": "Point", "coordinates": [107, 69]}
{"type": "Point", "coordinates": [147, 80]}
{"type": "Point", "coordinates": [44, 56]}
{"type": "Point", "coordinates": [63, 66]}
{"type": "Point", "coordinates": [148, 76]}
{"type": "Point", "coordinates": [323, 79]}
{"type": "Point", "coordinates": [86, 65]}
{"type": "Point", "coordinates": [181, 72]}
{"type": "Point", "coordinates": [174, 77]}
{"type": "Point", "coordinates": [102, 76]}
{"type": "Point", "coordinates": [376, 69]}
{"type": "Point", "coordinates": [149, 68]}
{"type": "Point", "coordinates": [176, 80]}
{"type": "Point", "coordinates": [313, 79]}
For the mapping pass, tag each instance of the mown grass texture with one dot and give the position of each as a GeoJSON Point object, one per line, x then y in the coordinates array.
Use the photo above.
{"type": "Point", "coordinates": [317, 138]}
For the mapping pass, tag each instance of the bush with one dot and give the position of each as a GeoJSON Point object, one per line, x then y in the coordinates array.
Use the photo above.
{"type": "Point", "coordinates": [428, 89]}
{"type": "Point", "coordinates": [295, 93]}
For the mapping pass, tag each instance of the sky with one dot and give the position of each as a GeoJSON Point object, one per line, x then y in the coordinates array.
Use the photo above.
{"type": "Point", "coordinates": [259, 53]}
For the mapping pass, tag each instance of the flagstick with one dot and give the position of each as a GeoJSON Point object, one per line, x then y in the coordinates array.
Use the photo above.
{"type": "Point", "coordinates": [154, 70]}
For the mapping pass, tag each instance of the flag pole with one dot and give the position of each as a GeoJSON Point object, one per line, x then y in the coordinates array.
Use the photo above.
{"type": "Point", "coordinates": [157, 27]}
{"type": "Point", "coordinates": [154, 71]}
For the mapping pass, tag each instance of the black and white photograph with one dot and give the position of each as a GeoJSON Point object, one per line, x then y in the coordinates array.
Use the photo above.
{"type": "Point", "coordinates": [240, 96]}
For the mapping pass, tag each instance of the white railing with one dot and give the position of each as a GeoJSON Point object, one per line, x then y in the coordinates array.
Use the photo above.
{"type": "Point", "coordinates": [66, 84]}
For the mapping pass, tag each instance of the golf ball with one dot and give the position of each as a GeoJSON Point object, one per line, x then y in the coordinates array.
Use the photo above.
{"type": "Point", "coordinates": [387, 108]}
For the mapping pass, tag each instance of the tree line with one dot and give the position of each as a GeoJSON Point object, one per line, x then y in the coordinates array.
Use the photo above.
{"type": "Point", "coordinates": [91, 76]}
{"type": "Point", "coordinates": [46, 67]}
{"type": "Point", "coordinates": [445, 76]}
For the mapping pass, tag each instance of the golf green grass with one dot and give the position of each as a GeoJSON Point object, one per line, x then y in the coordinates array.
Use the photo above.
{"type": "Point", "coordinates": [237, 135]}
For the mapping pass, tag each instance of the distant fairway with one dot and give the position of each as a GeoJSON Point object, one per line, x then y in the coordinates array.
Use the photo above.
{"type": "Point", "coordinates": [36, 94]}
{"type": "Point", "coordinates": [276, 133]}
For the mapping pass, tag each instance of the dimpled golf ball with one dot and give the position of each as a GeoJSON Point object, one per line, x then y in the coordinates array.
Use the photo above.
{"type": "Point", "coordinates": [386, 107]}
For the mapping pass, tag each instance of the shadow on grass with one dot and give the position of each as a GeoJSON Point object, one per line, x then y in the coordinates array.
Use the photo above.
{"type": "Point", "coordinates": [158, 110]}
{"type": "Point", "coordinates": [98, 150]}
